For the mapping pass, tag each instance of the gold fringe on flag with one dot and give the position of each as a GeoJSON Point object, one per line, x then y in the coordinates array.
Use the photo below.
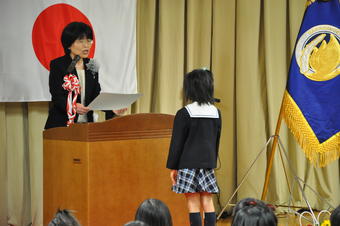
{"type": "Point", "coordinates": [319, 154]}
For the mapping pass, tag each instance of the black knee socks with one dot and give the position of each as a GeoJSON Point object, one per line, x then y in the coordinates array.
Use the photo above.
{"type": "Point", "coordinates": [195, 219]}
{"type": "Point", "coordinates": [210, 219]}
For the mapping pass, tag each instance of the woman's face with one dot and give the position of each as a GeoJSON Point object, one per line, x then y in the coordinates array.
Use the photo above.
{"type": "Point", "coordinates": [81, 47]}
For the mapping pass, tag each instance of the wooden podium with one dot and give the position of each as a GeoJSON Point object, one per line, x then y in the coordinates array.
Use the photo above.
{"type": "Point", "coordinates": [104, 170]}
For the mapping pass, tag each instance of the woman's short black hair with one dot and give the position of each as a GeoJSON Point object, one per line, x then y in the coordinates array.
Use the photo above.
{"type": "Point", "coordinates": [335, 216]}
{"type": "Point", "coordinates": [154, 212]}
{"type": "Point", "coordinates": [74, 31]}
{"type": "Point", "coordinates": [199, 86]}
{"type": "Point", "coordinates": [253, 212]}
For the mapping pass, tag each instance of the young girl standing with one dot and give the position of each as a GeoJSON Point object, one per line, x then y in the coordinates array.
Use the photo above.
{"type": "Point", "coordinates": [194, 147]}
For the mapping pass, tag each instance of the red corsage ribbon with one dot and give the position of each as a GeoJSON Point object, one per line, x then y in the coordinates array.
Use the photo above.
{"type": "Point", "coordinates": [71, 84]}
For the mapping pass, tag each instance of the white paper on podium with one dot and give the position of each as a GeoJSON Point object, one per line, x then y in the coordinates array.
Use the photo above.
{"type": "Point", "coordinates": [113, 101]}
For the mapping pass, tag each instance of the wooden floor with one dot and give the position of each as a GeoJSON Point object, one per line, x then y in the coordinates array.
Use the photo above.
{"type": "Point", "coordinates": [224, 222]}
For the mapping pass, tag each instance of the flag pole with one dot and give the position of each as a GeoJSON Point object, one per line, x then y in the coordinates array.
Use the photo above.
{"type": "Point", "coordinates": [272, 152]}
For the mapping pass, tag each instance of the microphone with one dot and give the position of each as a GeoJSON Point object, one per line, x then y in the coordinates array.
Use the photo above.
{"type": "Point", "coordinates": [73, 64]}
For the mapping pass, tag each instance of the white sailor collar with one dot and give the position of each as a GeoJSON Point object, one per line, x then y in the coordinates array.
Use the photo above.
{"type": "Point", "coordinates": [202, 111]}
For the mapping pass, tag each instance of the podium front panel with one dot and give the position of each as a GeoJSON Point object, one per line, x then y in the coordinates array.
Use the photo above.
{"type": "Point", "coordinates": [103, 171]}
{"type": "Point", "coordinates": [65, 178]}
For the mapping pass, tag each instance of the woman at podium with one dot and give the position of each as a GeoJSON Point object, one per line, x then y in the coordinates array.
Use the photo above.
{"type": "Point", "coordinates": [73, 79]}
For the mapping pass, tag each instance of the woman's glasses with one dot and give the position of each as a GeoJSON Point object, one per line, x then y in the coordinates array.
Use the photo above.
{"type": "Point", "coordinates": [84, 42]}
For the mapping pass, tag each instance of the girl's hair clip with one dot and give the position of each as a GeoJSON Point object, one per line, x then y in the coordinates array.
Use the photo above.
{"type": "Point", "coordinates": [272, 207]}
{"type": "Point", "coordinates": [252, 203]}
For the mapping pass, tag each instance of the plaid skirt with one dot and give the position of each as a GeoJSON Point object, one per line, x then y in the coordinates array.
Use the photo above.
{"type": "Point", "coordinates": [195, 180]}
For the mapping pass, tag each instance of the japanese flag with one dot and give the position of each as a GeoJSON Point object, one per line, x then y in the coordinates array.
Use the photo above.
{"type": "Point", "coordinates": [30, 38]}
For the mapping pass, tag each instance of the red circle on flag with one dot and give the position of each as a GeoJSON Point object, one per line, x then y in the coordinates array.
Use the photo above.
{"type": "Point", "coordinates": [47, 29]}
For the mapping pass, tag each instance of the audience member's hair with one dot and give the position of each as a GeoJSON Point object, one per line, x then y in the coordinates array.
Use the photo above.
{"type": "Point", "coordinates": [64, 218]}
{"type": "Point", "coordinates": [253, 212]}
{"type": "Point", "coordinates": [136, 223]}
{"type": "Point", "coordinates": [154, 212]}
{"type": "Point", "coordinates": [335, 216]}
{"type": "Point", "coordinates": [198, 85]}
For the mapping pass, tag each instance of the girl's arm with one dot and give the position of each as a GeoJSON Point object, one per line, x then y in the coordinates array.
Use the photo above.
{"type": "Point", "coordinates": [173, 176]}
{"type": "Point", "coordinates": [179, 136]}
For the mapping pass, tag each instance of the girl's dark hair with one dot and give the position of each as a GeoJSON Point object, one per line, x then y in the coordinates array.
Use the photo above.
{"type": "Point", "coordinates": [74, 31]}
{"type": "Point", "coordinates": [136, 223]}
{"type": "Point", "coordinates": [253, 212]}
{"type": "Point", "coordinates": [199, 86]}
{"type": "Point", "coordinates": [64, 218]}
{"type": "Point", "coordinates": [335, 216]}
{"type": "Point", "coordinates": [154, 212]}
{"type": "Point", "coordinates": [246, 202]}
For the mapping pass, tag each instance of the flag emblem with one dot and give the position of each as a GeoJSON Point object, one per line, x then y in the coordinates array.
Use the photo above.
{"type": "Point", "coordinates": [319, 63]}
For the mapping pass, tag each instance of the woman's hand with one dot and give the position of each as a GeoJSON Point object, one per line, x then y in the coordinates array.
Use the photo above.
{"type": "Point", "coordinates": [81, 109]}
{"type": "Point", "coordinates": [120, 111]}
{"type": "Point", "coordinates": [173, 176]}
